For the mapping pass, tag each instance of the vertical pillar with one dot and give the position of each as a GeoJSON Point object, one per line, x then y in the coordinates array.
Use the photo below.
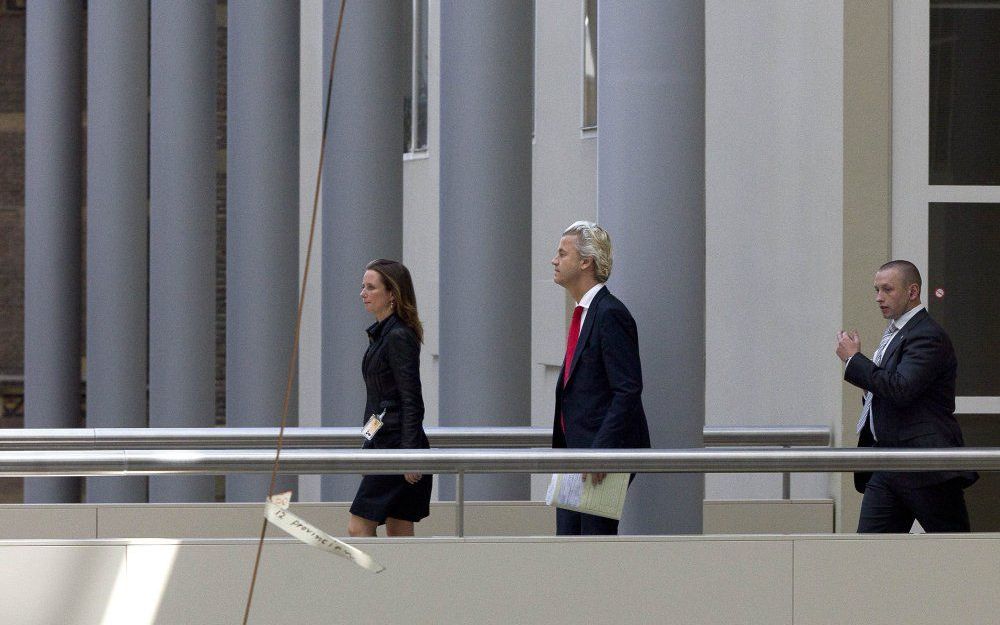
{"type": "Point", "coordinates": [362, 197]}
{"type": "Point", "coordinates": [651, 198]}
{"type": "Point", "coordinates": [311, 92]}
{"type": "Point", "coordinates": [52, 198]}
{"type": "Point", "coordinates": [182, 229]}
{"type": "Point", "coordinates": [117, 114]}
{"type": "Point", "coordinates": [485, 306]}
{"type": "Point", "coordinates": [261, 220]}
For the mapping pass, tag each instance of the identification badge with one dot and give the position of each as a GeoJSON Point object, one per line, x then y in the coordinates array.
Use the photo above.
{"type": "Point", "coordinates": [373, 426]}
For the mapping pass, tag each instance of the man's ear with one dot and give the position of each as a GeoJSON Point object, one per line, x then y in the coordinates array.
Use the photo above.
{"type": "Point", "coordinates": [914, 292]}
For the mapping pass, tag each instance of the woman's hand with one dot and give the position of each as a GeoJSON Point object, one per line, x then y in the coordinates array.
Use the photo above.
{"type": "Point", "coordinates": [412, 478]}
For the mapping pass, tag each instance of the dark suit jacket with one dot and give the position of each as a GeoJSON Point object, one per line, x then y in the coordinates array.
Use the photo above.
{"type": "Point", "coordinates": [913, 398]}
{"type": "Point", "coordinates": [602, 400]}
{"type": "Point", "coordinates": [391, 369]}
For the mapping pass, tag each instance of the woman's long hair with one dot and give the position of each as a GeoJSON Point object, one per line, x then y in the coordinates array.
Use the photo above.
{"type": "Point", "coordinates": [396, 278]}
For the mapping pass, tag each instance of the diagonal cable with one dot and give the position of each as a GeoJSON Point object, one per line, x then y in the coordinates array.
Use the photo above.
{"type": "Point", "coordinates": [298, 318]}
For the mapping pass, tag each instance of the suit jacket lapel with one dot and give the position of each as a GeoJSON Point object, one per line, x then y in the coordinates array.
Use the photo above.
{"type": "Point", "coordinates": [898, 340]}
{"type": "Point", "coordinates": [588, 325]}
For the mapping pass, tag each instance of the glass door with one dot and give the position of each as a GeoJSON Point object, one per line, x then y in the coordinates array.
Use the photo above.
{"type": "Point", "coordinates": [946, 195]}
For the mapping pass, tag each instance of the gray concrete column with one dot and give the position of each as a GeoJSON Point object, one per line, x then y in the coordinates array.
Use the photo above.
{"type": "Point", "coordinates": [117, 213]}
{"type": "Point", "coordinates": [485, 303]}
{"type": "Point", "coordinates": [362, 197]}
{"type": "Point", "coordinates": [262, 220]}
{"type": "Point", "coordinates": [651, 198]}
{"type": "Point", "coordinates": [52, 200]}
{"type": "Point", "coordinates": [182, 229]}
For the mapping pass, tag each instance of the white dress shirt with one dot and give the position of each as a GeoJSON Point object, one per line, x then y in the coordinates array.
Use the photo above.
{"type": "Point", "coordinates": [586, 300]}
{"type": "Point", "coordinates": [902, 321]}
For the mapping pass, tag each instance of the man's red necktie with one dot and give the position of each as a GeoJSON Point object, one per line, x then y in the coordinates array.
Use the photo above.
{"type": "Point", "coordinates": [571, 339]}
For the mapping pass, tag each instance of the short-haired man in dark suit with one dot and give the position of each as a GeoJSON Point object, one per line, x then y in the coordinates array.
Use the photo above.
{"type": "Point", "coordinates": [909, 403]}
{"type": "Point", "coordinates": [599, 392]}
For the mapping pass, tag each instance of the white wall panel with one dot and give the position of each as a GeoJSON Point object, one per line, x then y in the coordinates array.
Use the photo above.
{"type": "Point", "coordinates": [564, 181]}
{"type": "Point", "coordinates": [773, 580]}
{"type": "Point", "coordinates": [774, 189]}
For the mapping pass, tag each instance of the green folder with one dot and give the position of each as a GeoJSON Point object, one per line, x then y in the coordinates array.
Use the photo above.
{"type": "Point", "coordinates": [571, 492]}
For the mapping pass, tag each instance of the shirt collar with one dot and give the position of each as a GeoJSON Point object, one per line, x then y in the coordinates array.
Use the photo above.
{"type": "Point", "coordinates": [589, 296]}
{"type": "Point", "coordinates": [375, 330]}
{"type": "Point", "coordinates": [904, 318]}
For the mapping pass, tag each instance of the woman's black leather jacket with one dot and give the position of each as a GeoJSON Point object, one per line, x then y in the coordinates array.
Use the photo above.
{"type": "Point", "coordinates": [391, 369]}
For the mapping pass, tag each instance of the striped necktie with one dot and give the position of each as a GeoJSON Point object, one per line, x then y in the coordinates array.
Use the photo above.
{"type": "Point", "coordinates": [866, 411]}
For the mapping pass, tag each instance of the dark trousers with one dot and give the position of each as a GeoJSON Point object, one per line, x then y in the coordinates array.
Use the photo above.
{"type": "Point", "coordinates": [570, 523]}
{"type": "Point", "coordinates": [889, 507]}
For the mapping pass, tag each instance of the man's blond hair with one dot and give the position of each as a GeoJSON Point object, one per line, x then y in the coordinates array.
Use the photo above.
{"type": "Point", "coordinates": [594, 242]}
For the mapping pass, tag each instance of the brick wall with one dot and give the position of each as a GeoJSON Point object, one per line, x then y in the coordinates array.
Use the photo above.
{"type": "Point", "coordinates": [12, 33]}
{"type": "Point", "coordinates": [11, 191]}
{"type": "Point", "coordinates": [12, 22]}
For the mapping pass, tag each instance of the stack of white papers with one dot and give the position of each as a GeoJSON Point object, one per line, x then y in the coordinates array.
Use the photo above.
{"type": "Point", "coordinates": [571, 492]}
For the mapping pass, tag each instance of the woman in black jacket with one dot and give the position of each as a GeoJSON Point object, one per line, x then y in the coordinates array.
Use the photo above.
{"type": "Point", "coordinates": [391, 369]}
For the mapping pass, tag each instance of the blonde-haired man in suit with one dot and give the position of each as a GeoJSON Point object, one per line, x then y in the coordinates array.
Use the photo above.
{"type": "Point", "coordinates": [599, 392]}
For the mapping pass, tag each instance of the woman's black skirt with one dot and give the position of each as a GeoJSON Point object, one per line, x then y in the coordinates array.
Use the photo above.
{"type": "Point", "coordinates": [383, 496]}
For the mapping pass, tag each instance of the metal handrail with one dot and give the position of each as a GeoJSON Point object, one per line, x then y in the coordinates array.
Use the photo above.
{"type": "Point", "coordinates": [346, 437]}
{"type": "Point", "coordinates": [461, 461]}
{"type": "Point", "coordinates": [312, 461]}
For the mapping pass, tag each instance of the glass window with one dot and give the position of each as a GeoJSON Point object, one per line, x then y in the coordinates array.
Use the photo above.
{"type": "Point", "coordinates": [415, 77]}
{"type": "Point", "coordinates": [589, 64]}
{"type": "Point", "coordinates": [980, 430]}
{"type": "Point", "coordinates": [964, 139]}
{"type": "Point", "coordinates": [962, 285]}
